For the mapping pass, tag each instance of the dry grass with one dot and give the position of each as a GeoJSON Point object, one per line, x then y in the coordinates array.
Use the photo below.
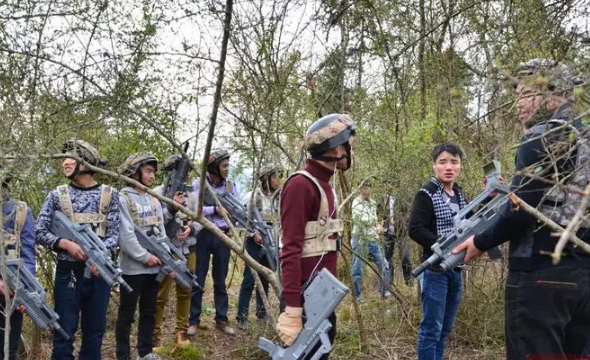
{"type": "Point", "coordinates": [391, 326]}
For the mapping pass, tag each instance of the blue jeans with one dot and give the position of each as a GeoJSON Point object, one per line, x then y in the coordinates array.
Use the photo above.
{"type": "Point", "coordinates": [248, 284]}
{"type": "Point", "coordinates": [78, 298]}
{"type": "Point", "coordinates": [441, 294]}
{"type": "Point", "coordinates": [372, 250]}
{"type": "Point", "coordinates": [210, 246]}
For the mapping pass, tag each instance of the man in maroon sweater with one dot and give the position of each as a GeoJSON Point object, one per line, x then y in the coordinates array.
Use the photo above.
{"type": "Point", "coordinates": [309, 218]}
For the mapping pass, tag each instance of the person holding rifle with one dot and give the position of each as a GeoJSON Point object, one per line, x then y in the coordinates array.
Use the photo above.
{"type": "Point", "coordinates": [209, 246]}
{"type": "Point", "coordinates": [269, 183]}
{"type": "Point", "coordinates": [182, 233]}
{"type": "Point", "coordinates": [140, 267]}
{"type": "Point", "coordinates": [18, 236]}
{"type": "Point", "coordinates": [83, 200]}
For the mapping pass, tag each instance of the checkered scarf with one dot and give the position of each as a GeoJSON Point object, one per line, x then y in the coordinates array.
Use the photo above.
{"type": "Point", "coordinates": [442, 211]}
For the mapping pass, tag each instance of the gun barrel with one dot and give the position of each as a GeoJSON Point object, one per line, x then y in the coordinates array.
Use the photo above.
{"type": "Point", "coordinates": [420, 269]}
{"type": "Point", "coordinates": [123, 284]}
{"type": "Point", "coordinates": [433, 259]}
{"type": "Point", "coordinates": [60, 331]}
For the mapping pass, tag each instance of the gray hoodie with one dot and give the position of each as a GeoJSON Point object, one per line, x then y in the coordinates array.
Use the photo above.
{"type": "Point", "coordinates": [133, 256]}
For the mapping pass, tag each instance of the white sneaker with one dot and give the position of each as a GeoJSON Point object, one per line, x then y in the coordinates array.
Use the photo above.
{"type": "Point", "coordinates": [192, 330]}
{"type": "Point", "coordinates": [387, 294]}
{"type": "Point", "coordinates": [149, 356]}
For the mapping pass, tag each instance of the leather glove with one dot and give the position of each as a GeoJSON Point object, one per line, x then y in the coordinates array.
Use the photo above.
{"type": "Point", "coordinates": [290, 324]}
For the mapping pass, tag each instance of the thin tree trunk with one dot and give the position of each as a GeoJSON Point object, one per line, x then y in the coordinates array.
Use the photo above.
{"type": "Point", "coordinates": [216, 102]}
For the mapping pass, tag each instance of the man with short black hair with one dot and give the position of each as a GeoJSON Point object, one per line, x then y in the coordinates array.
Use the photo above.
{"type": "Point", "coordinates": [366, 231]}
{"type": "Point", "coordinates": [432, 214]}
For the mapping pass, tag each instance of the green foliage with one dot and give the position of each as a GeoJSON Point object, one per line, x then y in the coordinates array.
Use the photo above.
{"type": "Point", "coordinates": [130, 78]}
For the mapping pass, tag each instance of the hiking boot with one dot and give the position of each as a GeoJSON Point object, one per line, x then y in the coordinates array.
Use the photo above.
{"type": "Point", "coordinates": [359, 299]}
{"type": "Point", "coordinates": [181, 339]}
{"type": "Point", "coordinates": [192, 330]}
{"type": "Point", "coordinates": [225, 328]}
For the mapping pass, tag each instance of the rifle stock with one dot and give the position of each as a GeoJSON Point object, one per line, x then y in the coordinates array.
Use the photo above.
{"type": "Point", "coordinates": [322, 296]}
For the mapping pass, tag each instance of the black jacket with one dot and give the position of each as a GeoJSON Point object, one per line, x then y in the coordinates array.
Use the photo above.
{"type": "Point", "coordinates": [530, 241]}
{"type": "Point", "coordinates": [423, 228]}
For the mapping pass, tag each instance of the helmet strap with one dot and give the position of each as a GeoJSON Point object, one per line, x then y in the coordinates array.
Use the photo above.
{"type": "Point", "coordinates": [348, 149]}
{"type": "Point", "coordinates": [140, 177]}
{"type": "Point", "coordinates": [76, 171]}
{"type": "Point", "coordinates": [347, 156]}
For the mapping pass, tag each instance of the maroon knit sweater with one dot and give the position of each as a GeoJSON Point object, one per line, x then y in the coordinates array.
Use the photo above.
{"type": "Point", "coordinates": [300, 203]}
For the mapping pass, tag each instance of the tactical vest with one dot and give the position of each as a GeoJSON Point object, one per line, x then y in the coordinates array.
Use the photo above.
{"type": "Point", "coordinates": [98, 221]}
{"type": "Point", "coordinates": [318, 232]}
{"type": "Point", "coordinates": [11, 240]}
{"type": "Point", "coordinates": [569, 143]}
{"type": "Point", "coordinates": [263, 203]}
{"type": "Point", "coordinates": [135, 211]}
{"type": "Point", "coordinates": [229, 186]}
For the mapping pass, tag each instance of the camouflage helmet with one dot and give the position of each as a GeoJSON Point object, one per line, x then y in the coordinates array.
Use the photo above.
{"type": "Point", "coordinates": [557, 76]}
{"type": "Point", "coordinates": [329, 132]}
{"type": "Point", "coordinates": [366, 182]}
{"type": "Point", "coordinates": [171, 162]}
{"type": "Point", "coordinates": [215, 158]}
{"type": "Point", "coordinates": [83, 150]}
{"type": "Point", "coordinates": [267, 170]}
{"type": "Point", "coordinates": [133, 163]}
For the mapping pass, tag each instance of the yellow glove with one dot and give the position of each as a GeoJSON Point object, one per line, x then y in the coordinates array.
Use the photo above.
{"type": "Point", "coordinates": [290, 324]}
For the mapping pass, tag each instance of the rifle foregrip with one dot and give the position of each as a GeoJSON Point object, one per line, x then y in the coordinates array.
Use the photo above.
{"type": "Point", "coordinates": [37, 320]}
{"type": "Point", "coordinates": [452, 261]}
